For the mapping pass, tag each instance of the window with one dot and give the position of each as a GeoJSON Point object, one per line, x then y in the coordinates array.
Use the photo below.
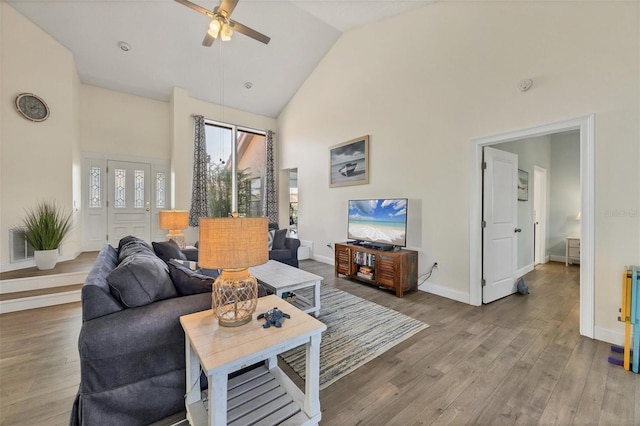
{"type": "Point", "coordinates": [161, 190]}
{"type": "Point", "coordinates": [95, 199]}
{"type": "Point", "coordinates": [139, 189]}
{"type": "Point", "coordinates": [120, 198]}
{"type": "Point", "coordinates": [293, 202]}
{"type": "Point", "coordinates": [238, 163]}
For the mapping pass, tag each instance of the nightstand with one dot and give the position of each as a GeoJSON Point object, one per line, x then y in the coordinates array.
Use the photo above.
{"type": "Point", "coordinates": [572, 250]}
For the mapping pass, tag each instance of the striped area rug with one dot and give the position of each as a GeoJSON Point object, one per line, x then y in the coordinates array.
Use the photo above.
{"type": "Point", "coordinates": [357, 332]}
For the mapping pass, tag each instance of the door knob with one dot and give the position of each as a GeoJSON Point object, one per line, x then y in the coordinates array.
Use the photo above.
{"type": "Point", "coordinates": [517, 230]}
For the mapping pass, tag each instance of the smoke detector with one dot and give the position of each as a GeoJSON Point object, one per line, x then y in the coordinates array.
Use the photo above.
{"type": "Point", "coordinates": [525, 84]}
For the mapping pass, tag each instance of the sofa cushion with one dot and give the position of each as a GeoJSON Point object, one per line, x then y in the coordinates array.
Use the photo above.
{"type": "Point", "coordinates": [97, 299]}
{"type": "Point", "coordinates": [281, 254]}
{"type": "Point", "coordinates": [167, 250]}
{"type": "Point", "coordinates": [279, 238]}
{"type": "Point", "coordinates": [131, 245]}
{"type": "Point", "coordinates": [187, 281]}
{"type": "Point", "coordinates": [141, 279]}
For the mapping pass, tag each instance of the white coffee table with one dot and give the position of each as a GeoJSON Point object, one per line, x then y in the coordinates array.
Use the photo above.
{"type": "Point", "coordinates": [281, 278]}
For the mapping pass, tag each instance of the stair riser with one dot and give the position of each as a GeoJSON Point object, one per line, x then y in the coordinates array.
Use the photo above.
{"type": "Point", "coordinates": [34, 302]}
{"type": "Point", "coordinates": [40, 282]}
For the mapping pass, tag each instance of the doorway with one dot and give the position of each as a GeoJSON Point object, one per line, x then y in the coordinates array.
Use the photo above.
{"type": "Point", "coordinates": [585, 125]}
{"type": "Point", "coordinates": [122, 196]}
{"type": "Point", "coordinates": [539, 215]}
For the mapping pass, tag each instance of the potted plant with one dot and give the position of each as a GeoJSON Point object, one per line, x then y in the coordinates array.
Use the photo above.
{"type": "Point", "coordinates": [46, 225]}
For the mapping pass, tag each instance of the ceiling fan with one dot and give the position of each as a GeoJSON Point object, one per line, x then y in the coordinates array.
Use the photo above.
{"type": "Point", "coordinates": [222, 25]}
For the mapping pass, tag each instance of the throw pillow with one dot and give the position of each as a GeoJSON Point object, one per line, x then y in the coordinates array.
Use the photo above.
{"type": "Point", "coordinates": [270, 237]}
{"type": "Point", "coordinates": [167, 250]}
{"type": "Point", "coordinates": [141, 279]}
{"type": "Point", "coordinates": [187, 281]}
{"type": "Point", "coordinates": [279, 239]}
{"type": "Point", "coordinates": [129, 246]}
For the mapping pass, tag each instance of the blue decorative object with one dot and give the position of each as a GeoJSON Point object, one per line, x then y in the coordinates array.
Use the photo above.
{"type": "Point", "coordinates": [273, 317]}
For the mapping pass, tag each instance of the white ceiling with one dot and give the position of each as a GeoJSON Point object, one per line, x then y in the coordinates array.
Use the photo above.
{"type": "Point", "coordinates": [166, 50]}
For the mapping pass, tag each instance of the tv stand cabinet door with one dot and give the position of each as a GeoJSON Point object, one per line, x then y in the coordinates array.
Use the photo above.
{"type": "Point", "coordinates": [387, 268]}
{"type": "Point", "coordinates": [343, 260]}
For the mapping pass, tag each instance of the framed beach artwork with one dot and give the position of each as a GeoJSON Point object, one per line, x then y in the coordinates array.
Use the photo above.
{"type": "Point", "coordinates": [523, 185]}
{"type": "Point", "coordinates": [349, 163]}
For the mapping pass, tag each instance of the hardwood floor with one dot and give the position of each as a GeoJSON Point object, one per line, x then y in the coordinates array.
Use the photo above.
{"type": "Point", "coordinates": [519, 360]}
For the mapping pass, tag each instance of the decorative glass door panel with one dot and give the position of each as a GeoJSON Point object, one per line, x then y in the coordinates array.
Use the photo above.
{"type": "Point", "coordinates": [129, 201]}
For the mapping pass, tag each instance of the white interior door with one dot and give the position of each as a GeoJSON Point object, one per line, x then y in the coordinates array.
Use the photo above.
{"type": "Point", "coordinates": [500, 201]}
{"type": "Point", "coordinates": [129, 201]}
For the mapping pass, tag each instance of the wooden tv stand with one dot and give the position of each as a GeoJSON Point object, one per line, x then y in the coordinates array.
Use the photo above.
{"type": "Point", "coordinates": [395, 270]}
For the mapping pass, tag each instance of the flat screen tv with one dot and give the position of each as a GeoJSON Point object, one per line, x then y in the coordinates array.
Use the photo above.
{"type": "Point", "coordinates": [379, 221]}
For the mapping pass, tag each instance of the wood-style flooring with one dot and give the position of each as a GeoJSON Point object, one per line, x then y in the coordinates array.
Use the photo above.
{"type": "Point", "coordinates": [519, 360]}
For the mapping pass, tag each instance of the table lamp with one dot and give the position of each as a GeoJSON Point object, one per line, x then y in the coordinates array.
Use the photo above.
{"type": "Point", "coordinates": [233, 244]}
{"type": "Point", "coordinates": [175, 221]}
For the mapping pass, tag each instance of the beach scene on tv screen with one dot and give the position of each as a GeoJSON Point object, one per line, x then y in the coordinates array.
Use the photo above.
{"type": "Point", "coordinates": [382, 221]}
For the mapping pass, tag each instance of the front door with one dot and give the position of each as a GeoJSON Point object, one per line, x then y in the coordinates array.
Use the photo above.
{"type": "Point", "coordinates": [128, 201]}
{"type": "Point", "coordinates": [500, 213]}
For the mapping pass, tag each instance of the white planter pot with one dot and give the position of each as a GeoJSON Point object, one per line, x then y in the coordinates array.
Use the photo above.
{"type": "Point", "coordinates": [45, 259]}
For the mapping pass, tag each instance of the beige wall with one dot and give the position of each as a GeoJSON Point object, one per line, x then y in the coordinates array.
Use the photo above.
{"type": "Point", "coordinates": [119, 123]}
{"type": "Point", "coordinates": [450, 74]}
{"type": "Point", "coordinates": [39, 160]}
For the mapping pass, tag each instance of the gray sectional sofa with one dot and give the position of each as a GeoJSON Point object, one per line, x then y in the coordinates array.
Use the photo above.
{"type": "Point", "coordinates": [131, 344]}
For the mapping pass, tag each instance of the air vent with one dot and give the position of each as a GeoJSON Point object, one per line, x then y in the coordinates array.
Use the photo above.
{"type": "Point", "coordinates": [19, 249]}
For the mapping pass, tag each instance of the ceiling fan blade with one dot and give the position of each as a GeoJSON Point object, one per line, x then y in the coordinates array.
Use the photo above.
{"type": "Point", "coordinates": [196, 7]}
{"type": "Point", "coordinates": [227, 6]}
{"type": "Point", "coordinates": [208, 40]}
{"type": "Point", "coordinates": [243, 29]}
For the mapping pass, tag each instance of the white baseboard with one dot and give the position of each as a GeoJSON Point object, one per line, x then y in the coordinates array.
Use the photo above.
{"type": "Point", "coordinates": [615, 337]}
{"type": "Point", "coordinates": [440, 290]}
{"type": "Point", "coordinates": [323, 259]}
{"type": "Point", "coordinates": [562, 259]}
{"type": "Point", "coordinates": [32, 263]}
{"type": "Point", "coordinates": [42, 301]}
{"type": "Point", "coordinates": [523, 271]}
{"type": "Point", "coordinates": [40, 282]}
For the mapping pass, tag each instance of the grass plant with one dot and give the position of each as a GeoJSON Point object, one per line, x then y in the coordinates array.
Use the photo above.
{"type": "Point", "coordinates": [46, 225]}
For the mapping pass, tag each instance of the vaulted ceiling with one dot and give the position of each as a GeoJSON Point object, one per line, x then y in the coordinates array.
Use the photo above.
{"type": "Point", "coordinates": [166, 51]}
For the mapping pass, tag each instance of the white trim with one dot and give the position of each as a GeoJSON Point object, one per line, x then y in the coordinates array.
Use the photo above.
{"type": "Point", "coordinates": [41, 282]}
{"type": "Point", "coordinates": [440, 290]}
{"type": "Point", "coordinates": [30, 263]}
{"type": "Point", "coordinates": [42, 301]}
{"type": "Point", "coordinates": [561, 259]}
{"type": "Point", "coordinates": [323, 259]}
{"type": "Point", "coordinates": [524, 270]}
{"type": "Point", "coordinates": [615, 337]}
{"type": "Point", "coordinates": [586, 126]}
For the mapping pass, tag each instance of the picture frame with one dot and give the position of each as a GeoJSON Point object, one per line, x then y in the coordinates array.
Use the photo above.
{"type": "Point", "coordinates": [349, 163]}
{"type": "Point", "coordinates": [523, 185]}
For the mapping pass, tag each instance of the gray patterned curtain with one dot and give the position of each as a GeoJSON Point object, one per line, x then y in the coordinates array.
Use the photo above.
{"type": "Point", "coordinates": [270, 199]}
{"type": "Point", "coordinates": [199, 202]}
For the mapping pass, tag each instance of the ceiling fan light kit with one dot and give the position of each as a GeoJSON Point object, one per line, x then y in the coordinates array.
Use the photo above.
{"type": "Point", "coordinates": [221, 25]}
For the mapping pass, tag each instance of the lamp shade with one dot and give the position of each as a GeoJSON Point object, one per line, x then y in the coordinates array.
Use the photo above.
{"type": "Point", "coordinates": [233, 243]}
{"type": "Point", "coordinates": [174, 219]}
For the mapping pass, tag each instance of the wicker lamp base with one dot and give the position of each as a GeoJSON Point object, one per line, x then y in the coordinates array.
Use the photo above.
{"type": "Point", "coordinates": [234, 297]}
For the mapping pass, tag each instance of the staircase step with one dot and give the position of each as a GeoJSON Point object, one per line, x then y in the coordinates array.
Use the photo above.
{"type": "Point", "coordinates": [40, 301]}
{"type": "Point", "coordinates": [39, 292]}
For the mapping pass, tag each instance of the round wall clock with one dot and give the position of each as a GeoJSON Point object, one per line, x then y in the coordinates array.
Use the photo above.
{"type": "Point", "coordinates": [32, 107]}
